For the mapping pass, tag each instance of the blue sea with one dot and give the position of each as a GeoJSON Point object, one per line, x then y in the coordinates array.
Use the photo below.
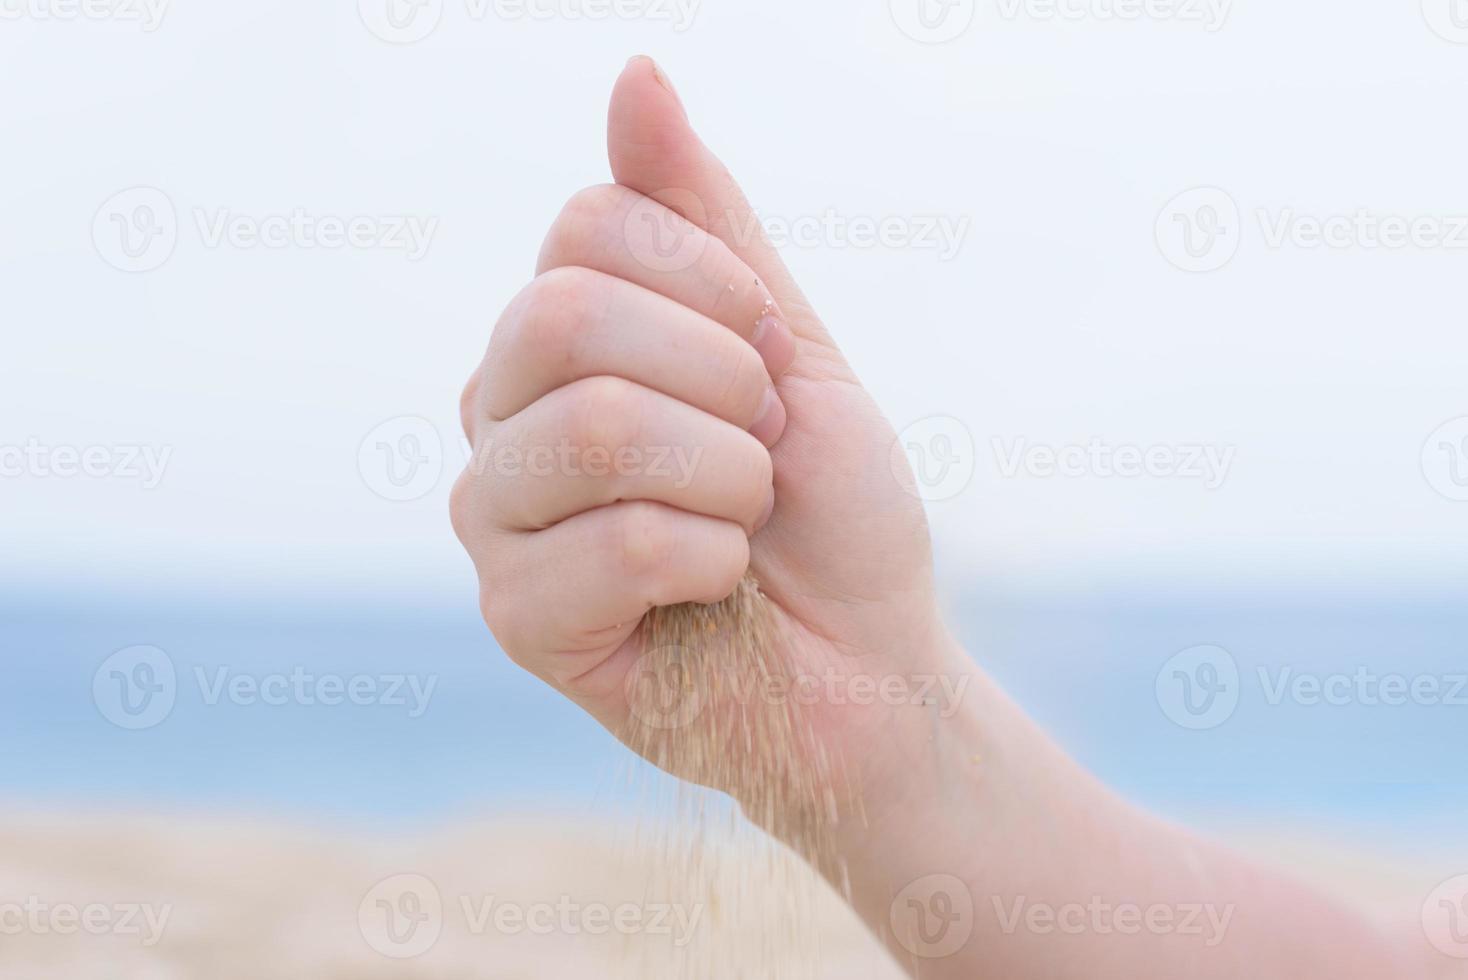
{"type": "Point", "coordinates": [488, 738]}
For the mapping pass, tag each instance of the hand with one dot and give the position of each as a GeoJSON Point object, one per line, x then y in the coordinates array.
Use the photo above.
{"type": "Point", "coordinates": [626, 352]}
{"type": "Point", "coordinates": [623, 352]}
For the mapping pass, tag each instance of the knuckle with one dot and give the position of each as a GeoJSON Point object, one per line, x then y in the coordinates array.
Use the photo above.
{"type": "Point", "coordinates": [497, 612]}
{"type": "Point", "coordinates": [568, 289]}
{"type": "Point", "coordinates": [643, 539]}
{"type": "Point", "coordinates": [584, 222]}
{"type": "Point", "coordinates": [461, 511]}
{"type": "Point", "coordinates": [729, 572]}
{"type": "Point", "coordinates": [491, 609]}
{"type": "Point", "coordinates": [469, 403]}
{"type": "Point", "coordinates": [606, 413]}
{"type": "Point", "coordinates": [557, 306]}
{"type": "Point", "coordinates": [545, 323]}
{"type": "Point", "coordinates": [595, 203]}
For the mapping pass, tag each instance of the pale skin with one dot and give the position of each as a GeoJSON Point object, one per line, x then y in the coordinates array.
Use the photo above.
{"type": "Point", "coordinates": [713, 354]}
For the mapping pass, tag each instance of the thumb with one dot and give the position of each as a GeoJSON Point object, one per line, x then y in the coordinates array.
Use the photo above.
{"type": "Point", "coordinates": [654, 151]}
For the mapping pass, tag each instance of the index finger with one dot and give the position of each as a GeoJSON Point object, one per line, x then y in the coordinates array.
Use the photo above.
{"type": "Point", "coordinates": [625, 234]}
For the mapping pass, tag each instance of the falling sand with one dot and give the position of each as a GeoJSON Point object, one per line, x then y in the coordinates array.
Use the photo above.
{"type": "Point", "coordinates": [708, 706]}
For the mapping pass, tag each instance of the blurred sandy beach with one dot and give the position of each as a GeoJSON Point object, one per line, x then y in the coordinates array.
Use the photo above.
{"type": "Point", "coordinates": [210, 898]}
{"type": "Point", "coordinates": [215, 899]}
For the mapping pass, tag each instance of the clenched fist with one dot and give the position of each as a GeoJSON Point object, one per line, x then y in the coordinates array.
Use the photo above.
{"type": "Point", "coordinates": [659, 411]}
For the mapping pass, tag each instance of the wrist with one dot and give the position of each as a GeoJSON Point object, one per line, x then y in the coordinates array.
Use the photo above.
{"type": "Point", "coordinates": [927, 757]}
{"type": "Point", "coordinates": [898, 746]}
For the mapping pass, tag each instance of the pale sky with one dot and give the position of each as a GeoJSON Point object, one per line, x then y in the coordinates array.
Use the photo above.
{"type": "Point", "coordinates": [1321, 378]}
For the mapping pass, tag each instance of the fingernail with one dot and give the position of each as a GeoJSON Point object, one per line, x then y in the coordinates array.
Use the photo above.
{"type": "Point", "coordinates": [775, 343]}
{"type": "Point", "coordinates": [660, 76]}
{"type": "Point", "coordinates": [771, 422]}
{"type": "Point", "coordinates": [769, 511]}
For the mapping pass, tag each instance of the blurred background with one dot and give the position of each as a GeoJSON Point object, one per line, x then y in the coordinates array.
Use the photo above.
{"type": "Point", "coordinates": [1166, 299]}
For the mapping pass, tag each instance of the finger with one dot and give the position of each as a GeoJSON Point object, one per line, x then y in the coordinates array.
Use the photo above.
{"type": "Point", "coordinates": [625, 234]}
{"type": "Point", "coordinates": [556, 598]}
{"type": "Point", "coordinates": [602, 440]}
{"type": "Point", "coordinates": [574, 323]}
{"type": "Point", "coordinates": [654, 151]}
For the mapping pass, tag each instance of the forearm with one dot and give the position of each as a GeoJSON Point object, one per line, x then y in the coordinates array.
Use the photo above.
{"type": "Point", "coordinates": [1001, 857]}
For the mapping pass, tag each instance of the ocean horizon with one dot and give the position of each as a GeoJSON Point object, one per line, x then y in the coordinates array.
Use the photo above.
{"type": "Point", "coordinates": [370, 712]}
